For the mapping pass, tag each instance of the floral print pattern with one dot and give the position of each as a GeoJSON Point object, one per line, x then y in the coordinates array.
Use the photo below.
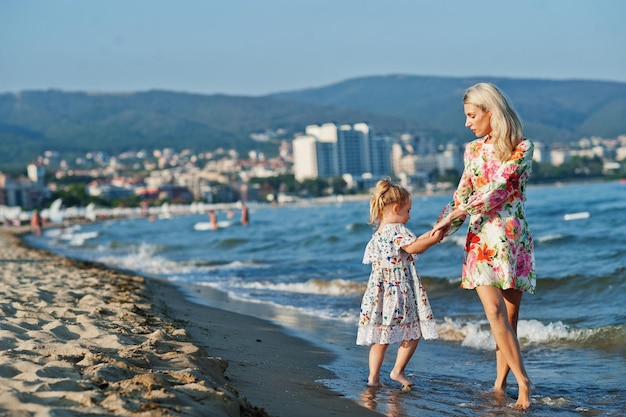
{"type": "Point", "coordinates": [395, 305]}
{"type": "Point", "coordinates": [499, 246]}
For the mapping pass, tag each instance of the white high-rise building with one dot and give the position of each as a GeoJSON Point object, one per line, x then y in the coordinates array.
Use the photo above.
{"type": "Point", "coordinates": [36, 173]}
{"type": "Point", "coordinates": [330, 151]}
{"type": "Point", "coordinates": [305, 157]}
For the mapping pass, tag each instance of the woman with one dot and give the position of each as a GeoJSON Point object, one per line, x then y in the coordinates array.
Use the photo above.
{"type": "Point", "coordinates": [499, 255]}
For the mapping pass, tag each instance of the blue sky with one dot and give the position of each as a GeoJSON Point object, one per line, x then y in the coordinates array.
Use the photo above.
{"type": "Point", "coordinates": [246, 47]}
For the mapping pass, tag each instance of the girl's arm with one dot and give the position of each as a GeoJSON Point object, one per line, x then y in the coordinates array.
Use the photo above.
{"type": "Point", "coordinates": [424, 242]}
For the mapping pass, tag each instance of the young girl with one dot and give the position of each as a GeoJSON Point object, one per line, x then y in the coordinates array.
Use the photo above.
{"type": "Point", "coordinates": [395, 306]}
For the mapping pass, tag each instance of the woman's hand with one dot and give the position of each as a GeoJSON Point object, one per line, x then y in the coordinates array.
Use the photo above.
{"type": "Point", "coordinates": [445, 223]}
{"type": "Point", "coordinates": [442, 225]}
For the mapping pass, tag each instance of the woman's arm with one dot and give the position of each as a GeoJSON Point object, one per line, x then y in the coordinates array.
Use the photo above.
{"type": "Point", "coordinates": [506, 182]}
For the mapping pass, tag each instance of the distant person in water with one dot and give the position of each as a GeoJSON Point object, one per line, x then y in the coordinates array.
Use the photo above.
{"type": "Point", "coordinates": [244, 215]}
{"type": "Point", "coordinates": [213, 219]}
{"type": "Point", "coordinates": [394, 307]}
{"type": "Point", "coordinates": [499, 258]}
{"type": "Point", "coordinates": [36, 223]}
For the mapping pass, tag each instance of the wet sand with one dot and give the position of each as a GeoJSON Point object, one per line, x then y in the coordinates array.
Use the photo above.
{"type": "Point", "coordinates": [80, 339]}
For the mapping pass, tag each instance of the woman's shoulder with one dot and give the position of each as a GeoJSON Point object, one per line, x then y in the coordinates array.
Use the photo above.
{"type": "Point", "coordinates": [475, 142]}
{"type": "Point", "coordinates": [525, 145]}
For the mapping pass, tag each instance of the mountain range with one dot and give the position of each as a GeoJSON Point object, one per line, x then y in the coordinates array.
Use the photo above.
{"type": "Point", "coordinates": [77, 122]}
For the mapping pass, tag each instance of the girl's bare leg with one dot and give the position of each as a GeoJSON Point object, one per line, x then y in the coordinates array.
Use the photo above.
{"type": "Point", "coordinates": [405, 353]}
{"type": "Point", "coordinates": [512, 300]}
{"type": "Point", "coordinates": [377, 355]}
{"type": "Point", "coordinates": [506, 339]}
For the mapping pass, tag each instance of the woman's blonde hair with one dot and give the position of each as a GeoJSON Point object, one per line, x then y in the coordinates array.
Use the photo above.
{"type": "Point", "coordinates": [385, 194]}
{"type": "Point", "coordinates": [506, 126]}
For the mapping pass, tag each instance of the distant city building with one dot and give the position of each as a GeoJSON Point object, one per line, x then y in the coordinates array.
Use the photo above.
{"type": "Point", "coordinates": [15, 192]}
{"type": "Point", "coordinates": [331, 151]}
{"type": "Point", "coordinates": [305, 157]}
{"type": "Point", "coordinates": [36, 173]}
{"type": "Point", "coordinates": [559, 156]}
{"type": "Point", "coordinates": [26, 192]}
{"type": "Point", "coordinates": [541, 154]}
{"type": "Point", "coordinates": [450, 159]}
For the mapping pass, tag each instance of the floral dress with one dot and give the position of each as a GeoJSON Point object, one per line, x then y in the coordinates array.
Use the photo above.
{"type": "Point", "coordinates": [395, 306]}
{"type": "Point", "coordinates": [499, 247]}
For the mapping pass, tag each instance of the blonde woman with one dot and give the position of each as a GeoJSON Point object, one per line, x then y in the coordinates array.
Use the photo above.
{"type": "Point", "coordinates": [499, 255]}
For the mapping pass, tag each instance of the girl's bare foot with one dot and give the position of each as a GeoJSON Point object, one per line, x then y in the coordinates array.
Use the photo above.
{"type": "Point", "coordinates": [401, 378]}
{"type": "Point", "coordinates": [374, 384]}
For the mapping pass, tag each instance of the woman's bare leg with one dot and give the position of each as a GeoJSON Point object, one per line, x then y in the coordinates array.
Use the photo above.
{"type": "Point", "coordinates": [377, 355]}
{"type": "Point", "coordinates": [405, 353]}
{"type": "Point", "coordinates": [506, 339]}
{"type": "Point", "coordinates": [512, 300]}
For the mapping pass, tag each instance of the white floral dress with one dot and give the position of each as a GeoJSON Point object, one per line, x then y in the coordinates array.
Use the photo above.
{"type": "Point", "coordinates": [499, 246]}
{"type": "Point", "coordinates": [395, 305]}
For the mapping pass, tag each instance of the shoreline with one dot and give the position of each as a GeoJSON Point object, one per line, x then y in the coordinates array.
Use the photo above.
{"type": "Point", "coordinates": [80, 336]}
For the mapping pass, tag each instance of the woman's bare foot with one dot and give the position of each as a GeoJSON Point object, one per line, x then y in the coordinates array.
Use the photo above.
{"type": "Point", "coordinates": [401, 378]}
{"type": "Point", "coordinates": [499, 390]}
{"type": "Point", "coordinates": [374, 384]}
{"type": "Point", "coordinates": [523, 397]}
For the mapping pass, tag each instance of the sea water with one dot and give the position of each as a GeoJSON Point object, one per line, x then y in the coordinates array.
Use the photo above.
{"type": "Point", "coordinates": [299, 265]}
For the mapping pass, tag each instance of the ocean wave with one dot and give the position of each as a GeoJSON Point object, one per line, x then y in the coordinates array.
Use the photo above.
{"type": "Point", "coordinates": [357, 227]}
{"type": "Point", "coordinates": [232, 242]}
{"type": "Point", "coordinates": [141, 258]}
{"type": "Point", "coordinates": [71, 236]}
{"type": "Point", "coordinates": [205, 266]}
{"type": "Point", "coordinates": [457, 239]}
{"type": "Point", "coordinates": [554, 237]}
{"type": "Point", "coordinates": [335, 287]}
{"type": "Point", "coordinates": [477, 334]}
{"type": "Point", "coordinates": [588, 283]}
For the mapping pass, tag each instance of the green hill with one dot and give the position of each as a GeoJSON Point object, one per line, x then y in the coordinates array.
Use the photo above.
{"type": "Point", "coordinates": [77, 122]}
{"type": "Point", "coordinates": [552, 111]}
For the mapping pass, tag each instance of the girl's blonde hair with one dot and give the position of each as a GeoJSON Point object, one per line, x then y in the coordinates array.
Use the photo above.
{"type": "Point", "coordinates": [385, 194]}
{"type": "Point", "coordinates": [506, 126]}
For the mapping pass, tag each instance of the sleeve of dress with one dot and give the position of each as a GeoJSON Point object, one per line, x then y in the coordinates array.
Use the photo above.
{"type": "Point", "coordinates": [507, 181]}
{"type": "Point", "coordinates": [370, 252]}
{"type": "Point", "coordinates": [462, 193]}
{"type": "Point", "coordinates": [402, 236]}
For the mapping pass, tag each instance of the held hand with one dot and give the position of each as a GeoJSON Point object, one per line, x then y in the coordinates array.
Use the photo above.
{"type": "Point", "coordinates": [426, 234]}
{"type": "Point", "coordinates": [439, 234]}
{"type": "Point", "coordinates": [443, 224]}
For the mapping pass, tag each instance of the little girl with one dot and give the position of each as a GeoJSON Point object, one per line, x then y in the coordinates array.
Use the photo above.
{"type": "Point", "coordinates": [395, 307]}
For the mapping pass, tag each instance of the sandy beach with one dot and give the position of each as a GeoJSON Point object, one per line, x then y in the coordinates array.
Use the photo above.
{"type": "Point", "coordinates": [80, 339]}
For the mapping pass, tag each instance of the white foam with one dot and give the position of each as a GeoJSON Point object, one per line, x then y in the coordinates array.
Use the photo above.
{"type": "Point", "coordinates": [477, 333]}
{"type": "Point", "coordinates": [550, 237]}
{"type": "Point", "coordinates": [335, 287]}
{"type": "Point", "coordinates": [457, 239]}
{"type": "Point", "coordinates": [142, 258]}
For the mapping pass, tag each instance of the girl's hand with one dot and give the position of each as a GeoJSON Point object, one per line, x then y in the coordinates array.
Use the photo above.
{"type": "Point", "coordinates": [438, 234]}
{"type": "Point", "coordinates": [424, 235]}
